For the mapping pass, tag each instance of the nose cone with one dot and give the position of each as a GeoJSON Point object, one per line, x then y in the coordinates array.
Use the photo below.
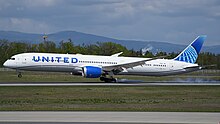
{"type": "Point", "coordinates": [5, 64]}
{"type": "Point", "coordinates": [8, 64]}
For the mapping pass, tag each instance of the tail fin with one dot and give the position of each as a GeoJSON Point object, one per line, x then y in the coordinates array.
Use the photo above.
{"type": "Point", "coordinates": [191, 52]}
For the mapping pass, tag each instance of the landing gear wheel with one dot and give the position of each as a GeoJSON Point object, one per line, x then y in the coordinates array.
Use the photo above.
{"type": "Point", "coordinates": [114, 80]}
{"type": "Point", "coordinates": [108, 80]}
{"type": "Point", "coordinates": [102, 78]}
{"type": "Point", "coordinates": [20, 75]}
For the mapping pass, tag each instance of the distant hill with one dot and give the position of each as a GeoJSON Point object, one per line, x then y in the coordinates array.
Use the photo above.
{"type": "Point", "coordinates": [80, 38]}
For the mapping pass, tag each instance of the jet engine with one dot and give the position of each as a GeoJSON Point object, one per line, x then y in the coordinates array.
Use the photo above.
{"type": "Point", "coordinates": [92, 72]}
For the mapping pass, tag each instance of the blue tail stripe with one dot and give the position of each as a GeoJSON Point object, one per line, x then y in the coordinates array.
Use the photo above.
{"type": "Point", "coordinates": [193, 55]}
{"type": "Point", "coordinates": [181, 59]}
{"type": "Point", "coordinates": [190, 57]}
{"type": "Point", "coordinates": [190, 54]}
{"type": "Point", "coordinates": [184, 56]}
{"type": "Point", "coordinates": [193, 52]}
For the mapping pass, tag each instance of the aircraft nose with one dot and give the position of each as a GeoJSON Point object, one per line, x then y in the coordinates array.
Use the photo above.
{"type": "Point", "coordinates": [6, 64]}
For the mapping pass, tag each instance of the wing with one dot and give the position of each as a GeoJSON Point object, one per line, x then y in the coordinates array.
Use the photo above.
{"type": "Point", "coordinates": [117, 54]}
{"type": "Point", "coordinates": [121, 67]}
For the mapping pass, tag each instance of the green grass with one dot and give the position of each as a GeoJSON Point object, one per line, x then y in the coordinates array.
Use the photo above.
{"type": "Point", "coordinates": [11, 76]}
{"type": "Point", "coordinates": [112, 98]}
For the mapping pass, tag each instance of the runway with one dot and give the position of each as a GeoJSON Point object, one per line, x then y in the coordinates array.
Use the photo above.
{"type": "Point", "coordinates": [110, 117]}
{"type": "Point", "coordinates": [155, 83]}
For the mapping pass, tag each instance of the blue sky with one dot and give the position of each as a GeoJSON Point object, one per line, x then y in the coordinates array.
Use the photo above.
{"type": "Point", "coordinates": [174, 21]}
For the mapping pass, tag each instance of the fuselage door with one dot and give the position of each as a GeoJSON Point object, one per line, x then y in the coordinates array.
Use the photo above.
{"type": "Point", "coordinates": [23, 60]}
{"type": "Point", "coordinates": [171, 66]}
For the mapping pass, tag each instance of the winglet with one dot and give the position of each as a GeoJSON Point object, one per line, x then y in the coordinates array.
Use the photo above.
{"type": "Point", "coordinates": [117, 54]}
{"type": "Point", "coordinates": [191, 52]}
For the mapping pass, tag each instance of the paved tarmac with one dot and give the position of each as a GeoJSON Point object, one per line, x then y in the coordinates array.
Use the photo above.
{"type": "Point", "coordinates": [156, 83]}
{"type": "Point", "coordinates": [110, 117]}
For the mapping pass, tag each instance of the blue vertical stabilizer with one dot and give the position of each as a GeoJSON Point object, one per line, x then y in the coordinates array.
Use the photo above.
{"type": "Point", "coordinates": [191, 52]}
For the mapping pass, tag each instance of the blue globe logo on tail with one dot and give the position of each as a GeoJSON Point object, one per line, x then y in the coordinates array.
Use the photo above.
{"type": "Point", "coordinates": [191, 52]}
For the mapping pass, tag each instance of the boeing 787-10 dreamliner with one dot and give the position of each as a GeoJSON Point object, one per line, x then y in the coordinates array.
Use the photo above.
{"type": "Point", "coordinates": [105, 67]}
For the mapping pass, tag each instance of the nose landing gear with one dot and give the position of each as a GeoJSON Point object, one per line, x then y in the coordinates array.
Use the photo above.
{"type": "Point", "coordinates": [20, 75]}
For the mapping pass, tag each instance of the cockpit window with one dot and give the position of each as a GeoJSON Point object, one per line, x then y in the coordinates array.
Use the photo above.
{"type": "Point", "coordinates": [12, 59]}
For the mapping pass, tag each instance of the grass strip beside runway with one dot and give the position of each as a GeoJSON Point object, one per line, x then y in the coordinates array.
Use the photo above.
{"type": "Point", "coordinates": [11, 76]}
{"type": "Point", "coordinates": [111, 98]}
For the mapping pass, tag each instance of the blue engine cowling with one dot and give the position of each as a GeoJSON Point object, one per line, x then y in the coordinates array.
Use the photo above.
{"type": "Point", "coordinates": [92, 72]}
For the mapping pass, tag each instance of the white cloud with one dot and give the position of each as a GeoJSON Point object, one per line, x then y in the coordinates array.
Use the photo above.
{"type": "Point", "coordinates": [170, 20]}
{"type": "Point", "coordinates": [40, 3]}
{"type": "Point", "coordinates": [24, 25]}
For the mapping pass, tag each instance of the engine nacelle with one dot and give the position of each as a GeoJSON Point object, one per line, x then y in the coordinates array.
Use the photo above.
{"type": "Point", "coordinates": [92, 72]}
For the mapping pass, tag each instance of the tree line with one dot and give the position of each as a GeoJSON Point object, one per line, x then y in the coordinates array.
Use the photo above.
{"type": "Point", "coordinates": [7, 49]}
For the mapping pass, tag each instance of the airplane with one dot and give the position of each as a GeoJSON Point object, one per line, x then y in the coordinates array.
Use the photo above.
{"type": "Point", "coordinates": [105, 67]}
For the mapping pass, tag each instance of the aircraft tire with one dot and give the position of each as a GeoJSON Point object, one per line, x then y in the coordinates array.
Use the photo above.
{"type": "Point", "coordinates": [20, 75]}
{"type": "Point", "coordinates": [113, 80]}
{"type": "Point", "coordinates": [102, 78]}
{"type": "Point", "coordinates": [108, 80]}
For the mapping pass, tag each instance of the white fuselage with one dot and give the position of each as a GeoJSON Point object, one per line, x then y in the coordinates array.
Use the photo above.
{"type": "Point", "coordinates": [74, 62]}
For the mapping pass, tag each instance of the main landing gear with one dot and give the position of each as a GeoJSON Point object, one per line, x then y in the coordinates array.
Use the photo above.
{"type": "Point", "coordinates": [108, 80]}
